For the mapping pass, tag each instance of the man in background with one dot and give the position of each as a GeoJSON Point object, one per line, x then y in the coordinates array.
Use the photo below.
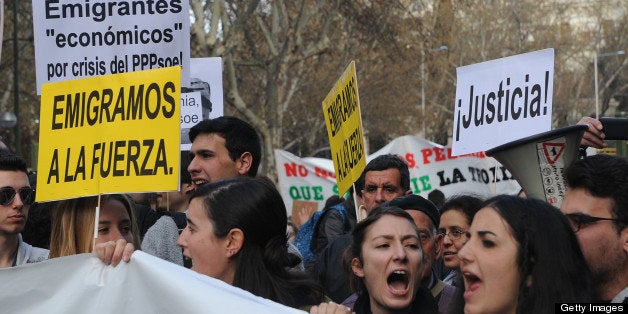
{"type": "Point", "coordinates": [596, 204]}
{"type": "Point", "coordinates": [16, 195]}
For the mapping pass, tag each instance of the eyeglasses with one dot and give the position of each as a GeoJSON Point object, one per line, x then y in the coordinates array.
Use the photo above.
{"type": "Point", "coordinates": [455, 234]}
{"type": "Point", "coordinates": [579, 220]}
{"type": "Point", "coordinates": [7, 195]}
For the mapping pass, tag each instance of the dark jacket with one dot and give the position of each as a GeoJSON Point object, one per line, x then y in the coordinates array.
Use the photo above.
{"type": "Point", "coordinates": [423, 303]}
{"type": "Point", "coordinates": [327, 268]}
{"type": "Point", "coordinates": [332, 224]}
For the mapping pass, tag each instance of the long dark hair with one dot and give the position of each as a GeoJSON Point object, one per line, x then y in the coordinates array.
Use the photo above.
{"type": "Point", "coordinates": [548, 252]}
{"type": "Point", "coordinates": [467, 204]}
{"type": "Point", "coordinates": [263, 263]}
{"type": "Point", "coordinates": [359, 233]}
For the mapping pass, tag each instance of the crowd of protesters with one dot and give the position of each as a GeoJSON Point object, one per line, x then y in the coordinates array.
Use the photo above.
{"type": "Point", "coordinates": [400, 253]}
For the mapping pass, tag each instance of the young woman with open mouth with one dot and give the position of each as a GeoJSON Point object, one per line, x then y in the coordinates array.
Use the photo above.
{"type": "Point", "coordinates": [522, 257]}
{"type": "Point", "coordinates": [386, 264]}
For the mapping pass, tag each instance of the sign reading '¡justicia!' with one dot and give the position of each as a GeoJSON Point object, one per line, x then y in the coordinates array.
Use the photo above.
{"type": "Point", "coordinates": [124, 132]}
{"type": "Point", "coordinates": [502, 100]}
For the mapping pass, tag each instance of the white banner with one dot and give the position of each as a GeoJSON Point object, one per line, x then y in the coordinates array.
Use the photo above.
{"type": "Point", "coordinates": [502, 100]}
{"type": "Point", "coordinates": [431, 166]}
{"type": "Point", "coordinates": [75, 39]}
{"type": "Point", "coordinates": [147, 284]}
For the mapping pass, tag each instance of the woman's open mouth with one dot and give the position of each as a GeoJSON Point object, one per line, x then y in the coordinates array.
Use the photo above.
{"type": "Point", "coordinates": [398, 282]}
{"type": "Point", "coordinates": [471, 284]}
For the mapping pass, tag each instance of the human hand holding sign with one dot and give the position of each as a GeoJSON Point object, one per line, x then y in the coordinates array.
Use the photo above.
{"type": "Point", "coordinates": [303, 215]}
{"type": "Point", "coordinates": [111, 253]}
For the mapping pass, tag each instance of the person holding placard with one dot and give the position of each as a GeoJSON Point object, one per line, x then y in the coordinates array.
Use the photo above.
{"type": "Point", "coordinates": [16, 195]}
{"type": "Point", "coordinates": [73, 226]}
{"type": "Point", "coordinates": [236, 233]}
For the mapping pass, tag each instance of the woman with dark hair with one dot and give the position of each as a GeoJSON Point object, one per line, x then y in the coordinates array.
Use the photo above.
{"type": "Point", "coordinates": [236, 232]}
{"type": "Point", "coordinates": [522, 257]}
{"type": "Point", "coordinates": [455, 219]}
{"type": "Point", "coordinates": [387, 264]}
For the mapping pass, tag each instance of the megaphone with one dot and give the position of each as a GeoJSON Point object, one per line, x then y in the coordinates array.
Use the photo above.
{"type": "Point", "coordinates": [538, 162]}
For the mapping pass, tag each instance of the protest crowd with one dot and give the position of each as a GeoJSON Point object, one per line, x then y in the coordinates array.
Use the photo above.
{"type": "Point", "coordinates": [146, 196]}
{"type": "Point", "coordinates": [505, 254]}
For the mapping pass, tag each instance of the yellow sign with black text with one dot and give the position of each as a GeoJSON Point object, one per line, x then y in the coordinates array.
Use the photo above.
{"type": "Point", "coordinates": [109, 134]}
{"type": "Point", "coordinates": [341, 109]}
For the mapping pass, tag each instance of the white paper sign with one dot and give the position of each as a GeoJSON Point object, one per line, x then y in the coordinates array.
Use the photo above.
{"type": "Point", "coordinates": [206, 80]}
{"type": "Point", "coordinates": [147, 284]}
{"type": "Point", "coordinates": [503, 100]}
{"type": "Point", "coordinates": [75, 39]}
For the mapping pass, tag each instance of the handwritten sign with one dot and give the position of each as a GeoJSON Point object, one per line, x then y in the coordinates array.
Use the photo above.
{"type": "Point", "coordinates": [341, 109]}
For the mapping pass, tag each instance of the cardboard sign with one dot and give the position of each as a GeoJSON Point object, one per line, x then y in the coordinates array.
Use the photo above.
{"type": "Point", "coordinates": [502, 100]}
{"type": "Point", "coordinates": [300, 208]}
{"type": "Point", "coordinates": [341, 109]}
{"type": "Point", "coordinates": [75, 39]}
{"type": "Point", "coordinates": [109, 134]}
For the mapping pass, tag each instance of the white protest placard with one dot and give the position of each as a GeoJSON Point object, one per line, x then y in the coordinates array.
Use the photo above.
{"type": "Point", "coordinates": [147, 284]}
{"type": "Point", "coordinates": [75, 39]}
{"type": "Point", "coordinates": [202, 98]}
{"type": "Point", "coordinates": [502, 100]}
{"type": "Point", "coordinates": [305, 179]}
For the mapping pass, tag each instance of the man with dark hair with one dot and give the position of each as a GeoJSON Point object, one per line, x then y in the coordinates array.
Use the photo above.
{"type": "Point", "coordinates": [222, 148]}
{"type": "Point", "coordinates": [596, 204]}
{"type": "Point", "coordinates": [16, 195]}
{"type": "Point", "coordinates": [385, 178]}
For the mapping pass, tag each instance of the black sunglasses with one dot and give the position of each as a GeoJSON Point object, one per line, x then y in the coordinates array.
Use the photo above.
{"type": "Point", "coordinates": [7, 195]}
{"type": "Point", "coordinates": [579, 220]}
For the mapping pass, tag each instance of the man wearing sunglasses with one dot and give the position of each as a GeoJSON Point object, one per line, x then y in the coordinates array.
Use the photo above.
{"type": "Point", "coordinates": [596, 205]}
{"type": "Point", "coordinates": [16, 195]}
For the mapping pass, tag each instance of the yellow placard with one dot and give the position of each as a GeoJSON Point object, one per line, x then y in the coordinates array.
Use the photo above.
{"type": "Point", "coordinates": [341, 108]}
{"type": "Point", "coordinates": [109, 134]}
